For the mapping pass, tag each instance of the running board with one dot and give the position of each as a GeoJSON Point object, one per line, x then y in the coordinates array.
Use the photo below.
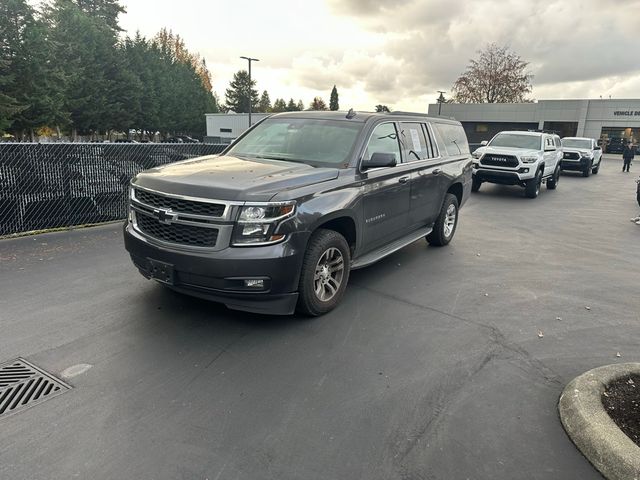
{"type": "Point", "coordinates": [380, 253]}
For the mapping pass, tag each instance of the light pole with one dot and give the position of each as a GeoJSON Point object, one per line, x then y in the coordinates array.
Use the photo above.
{"type": "Point", "coordinates": [440, 100]}
{"type": "Point", "coordinates": [249, 59]}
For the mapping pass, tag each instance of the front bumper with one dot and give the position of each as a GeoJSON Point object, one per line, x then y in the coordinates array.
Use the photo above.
{"type": "Point", "coordinates": [503, 176]}
{"type": "Point", "coordinates": [219, 275]}
{"type": "Point", "coordinates": [577, 165]}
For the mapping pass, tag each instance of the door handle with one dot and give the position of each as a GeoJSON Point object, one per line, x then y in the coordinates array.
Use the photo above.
{"type": "Point", "coordinates": [403, 179]}
{"type": "Point", "coordinates": [437, 171]}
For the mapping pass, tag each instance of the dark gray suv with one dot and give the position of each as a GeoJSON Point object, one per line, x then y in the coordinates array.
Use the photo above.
{"type": "Point", "coordinates": [276, 222]}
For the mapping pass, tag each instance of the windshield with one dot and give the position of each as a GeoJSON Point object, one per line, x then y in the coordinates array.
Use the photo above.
{"type": "Point", "coordinates": [302, 140]}
{"type": "Point", "coordinates": [532, 142]}
{"type": "Point", "coordinates": [576, 143]}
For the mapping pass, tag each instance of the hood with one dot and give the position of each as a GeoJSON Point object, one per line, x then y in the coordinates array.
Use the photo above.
{"type": "Point", "coordinates": [510, 151]}
{"type": "Point", "coordinates": [232, 178]}
{"type": "Point", "coordinates": [582, 151]}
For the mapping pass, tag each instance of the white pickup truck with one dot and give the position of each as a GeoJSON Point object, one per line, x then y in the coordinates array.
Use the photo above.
{"type": "Point", "coordinates": [581, 154]}
{"type": "Point", "coordinates": [519, 158]}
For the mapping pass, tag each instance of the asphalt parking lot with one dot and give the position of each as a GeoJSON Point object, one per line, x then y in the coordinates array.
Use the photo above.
{"type": "Point", "coordinates": [440, 363]}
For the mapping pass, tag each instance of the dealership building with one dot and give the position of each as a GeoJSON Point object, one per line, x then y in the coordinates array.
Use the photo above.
{"type": "Point", "coordinates": [614, 121]}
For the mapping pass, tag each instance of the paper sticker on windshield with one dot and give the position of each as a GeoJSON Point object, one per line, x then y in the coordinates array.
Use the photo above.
{"type": "Point", "coordinates": [415, 138]}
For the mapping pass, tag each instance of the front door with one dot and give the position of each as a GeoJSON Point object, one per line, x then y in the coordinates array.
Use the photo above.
{"type": "Point", "coordinates": [550, 155]}
{"type": "Point", "coordinates": [386, 191]}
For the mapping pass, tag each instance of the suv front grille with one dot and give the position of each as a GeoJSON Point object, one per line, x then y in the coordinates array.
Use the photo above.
{"type": "Point", "coordinates": [180, 205]}
{"type": "Point", "coordinates": [571, 156]}
{"type": "Point", "coordinates": [499, 160]}
{"type": "Point", "coordinates": [177, 233]}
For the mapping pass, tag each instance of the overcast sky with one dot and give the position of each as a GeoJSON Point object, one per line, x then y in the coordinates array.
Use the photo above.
{"type": "Point", "coordinates": [400, 52]}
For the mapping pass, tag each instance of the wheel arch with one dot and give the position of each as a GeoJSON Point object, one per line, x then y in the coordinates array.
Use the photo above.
{"type": "Point", "coordinates": [457, 190]}
{"type": "Point", "coordinates": [343, 222]}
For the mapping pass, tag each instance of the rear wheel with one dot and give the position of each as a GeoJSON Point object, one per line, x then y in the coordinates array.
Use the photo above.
{"type": "Point", "coordinates": [532, 189]}
{"type": "Point", "coordinates": [476, 183]}
{"type": "Point", "coordinates": [325, 273]}
{"type": "Point", "coordinates": [446, 224]}
{"type": "Point", "coordinates": [552, 183]}
{"type": "Point", "coordinates": [596, 169]}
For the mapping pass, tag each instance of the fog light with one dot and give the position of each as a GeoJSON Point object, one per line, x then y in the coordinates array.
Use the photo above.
{"type": "Point", "coordinates": [526, 170]}
{"type": "Point", "coordinates": [254, 283]}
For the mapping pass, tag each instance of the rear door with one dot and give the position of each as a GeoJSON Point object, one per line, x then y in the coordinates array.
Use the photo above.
{"type": "Point", "coordinates": [386, 191]}
{"type": "Point", "coordinates": [420, 154]}
{"type": "Point", "coordinates": [597, 153]}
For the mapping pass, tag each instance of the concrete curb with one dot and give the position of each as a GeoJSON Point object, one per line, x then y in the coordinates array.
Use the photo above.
{"type": "Point", "coordinates": [590, 427]}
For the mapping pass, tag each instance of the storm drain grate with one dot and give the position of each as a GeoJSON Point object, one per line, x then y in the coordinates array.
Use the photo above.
{"type": "Point", "coordinates": [23, 385]}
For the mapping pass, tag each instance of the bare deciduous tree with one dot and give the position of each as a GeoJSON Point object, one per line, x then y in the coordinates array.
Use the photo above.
{"type": "Point", "coordinates": [498, 75]}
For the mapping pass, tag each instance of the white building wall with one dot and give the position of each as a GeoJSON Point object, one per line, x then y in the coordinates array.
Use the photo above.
{"type": "Point", "coordinates": [591, 115]}
{"type": "Point", "coordinates": [219, 124]}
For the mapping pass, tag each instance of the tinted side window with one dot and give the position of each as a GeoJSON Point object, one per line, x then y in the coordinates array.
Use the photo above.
{"type": "Point", "coordinates": [414, 142]}
{"type": "Point", "coordinates": [384, 139]}
{"type": "Point", "coordinates": [453, 137]}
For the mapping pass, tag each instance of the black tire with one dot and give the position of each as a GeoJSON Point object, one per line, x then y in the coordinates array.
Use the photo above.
{"type": "Point", "coordinates": [532, 189]}
{"type": "Point", "coordinates": [476, 183]}
{"type": "Point", "coordinates": [587, 171]}
{"type": "Point", "coordinates": [443, 231]}
{"type": "Point", "coordinates": [595, 170]}
{"type": "Point", "coordinates": [309, 301]}
{"type": "Point", "coordinates": [552, 183]}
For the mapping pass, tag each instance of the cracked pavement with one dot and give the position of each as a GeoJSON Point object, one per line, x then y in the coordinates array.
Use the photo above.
{"type": "Point", "coordinates": [432, 368]}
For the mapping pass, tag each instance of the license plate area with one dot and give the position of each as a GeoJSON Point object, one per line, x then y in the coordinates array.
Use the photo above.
{"type": "Point", "coordinates": [161, 271]}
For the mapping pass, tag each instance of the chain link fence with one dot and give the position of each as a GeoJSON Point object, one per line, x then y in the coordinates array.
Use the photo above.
{"type": "Point", "coordinates": [53, 185]}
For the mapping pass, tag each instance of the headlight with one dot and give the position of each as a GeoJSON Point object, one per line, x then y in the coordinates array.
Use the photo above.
{"type": "Point", "coordinates": [476, 154]}
{"type": "Point", "coordinates": [585, 154]}
{"type": "Point", "coordinates": [529, 159]}
{"type": "Point", "coordinates": [257, 224]}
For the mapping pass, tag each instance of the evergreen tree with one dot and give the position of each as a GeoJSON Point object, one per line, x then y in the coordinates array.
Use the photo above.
{"type": "Point", "coordinates": [8, 105]}
{"type": "Point", "coordinates": [318, 104]}
{"type": "Point", "coordinates": [33, 90]}
{"type": "Point", "coordinates": [279, 105]}
{"type": "Point", "coordinates": [333, 100]}
{"type": "Point", "coordinates": [291, 106]}
{"type": "Point", "coordinates": [105, 10]}
{"type": "Point", "coordinates": [382, 108]}
{"type": "Point", "coordinates": [264, 105]}
{"type": "Point", "coordinates": [239, 92]}
{"type": "Point", "coordinates": [92, 64]}
{"type": "Point", "coordinates": [300, 106]}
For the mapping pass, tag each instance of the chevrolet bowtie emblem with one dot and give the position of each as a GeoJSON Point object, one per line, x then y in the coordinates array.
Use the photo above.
{"type": "Point", "coordinates": [164, 216]}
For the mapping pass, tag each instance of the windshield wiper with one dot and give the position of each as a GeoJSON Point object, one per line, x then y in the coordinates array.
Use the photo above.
{"type": "Point", "coordinates": [271, 157]}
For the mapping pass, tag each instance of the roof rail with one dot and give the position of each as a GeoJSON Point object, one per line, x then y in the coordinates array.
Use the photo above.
{"type": "Point", "coordinates": [412, 114]}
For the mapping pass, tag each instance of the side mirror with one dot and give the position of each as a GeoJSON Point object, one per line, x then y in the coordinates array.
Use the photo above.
{"type": "Point", "coordinates": [484, 143]}
{"type": "Point", "coordinates": [598, 148]}
{"type": "Point", "coordinates": [378, 160]}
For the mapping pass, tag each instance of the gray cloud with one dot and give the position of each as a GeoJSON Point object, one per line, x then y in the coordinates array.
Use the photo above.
{"type": "Point", "coordinates": [431, 41]}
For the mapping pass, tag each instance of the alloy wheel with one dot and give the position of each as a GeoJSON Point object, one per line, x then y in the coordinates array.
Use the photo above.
{"type": "Point", "coordinates": [328, 275]}
{"type": "Point", "coordinates": [450, 220]}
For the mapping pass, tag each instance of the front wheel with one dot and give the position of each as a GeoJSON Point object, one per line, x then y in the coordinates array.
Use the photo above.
{"type": "Point", "coordinates": [325, 273]}
{"type": "Point", "coordinates": [446, 224]}
{"type": "Point", "coordinates": [596, 169]}
{"type": "Point", "coordinates": [532, 188]}
{"type": "Point", "coordinates": [476, 183]}
{"type": "Point", "coordinates": [587, 171]}
{"type": "Point", "coordinates": [552, 183]}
